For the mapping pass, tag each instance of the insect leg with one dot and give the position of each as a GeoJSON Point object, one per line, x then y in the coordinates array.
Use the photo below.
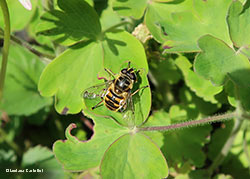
{"type": "Point", "coordinates": [97, 105]}
{"type": "Point", "coordinates": [139, 90]}
{"type": "Point", "coordinates": [109, 72]}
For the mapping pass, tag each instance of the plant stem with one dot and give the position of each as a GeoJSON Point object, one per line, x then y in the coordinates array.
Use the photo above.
{"type": "Point", "coordinates": [227, 146]}
{"type": "Point", "coordinates": [246, 116]}
{"type": "Point", "coordinates": [6, 44]}
{"type": "Point", "coordinates": [26, 45]}
{"type": "Point", "coordinates": [217, 118]}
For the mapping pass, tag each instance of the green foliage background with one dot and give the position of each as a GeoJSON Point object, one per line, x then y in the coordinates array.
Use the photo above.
{"type": "Point", "coordinates": [193, 54]}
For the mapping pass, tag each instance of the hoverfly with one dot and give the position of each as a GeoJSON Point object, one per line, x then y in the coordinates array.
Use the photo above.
{"type": "Point", "coordinates": [115, 94]}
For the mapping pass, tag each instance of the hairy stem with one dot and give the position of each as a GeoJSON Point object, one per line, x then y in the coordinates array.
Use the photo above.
{"type": "Point", "coordinates": [27, 46]}
{"type": "Point", "coordinates": [217, 118]}
{"type": "Point", "coordinates": [6, 44]}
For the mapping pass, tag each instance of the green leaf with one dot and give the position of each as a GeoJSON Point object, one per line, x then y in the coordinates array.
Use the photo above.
{"type": "Point", "coordinates": [20, 91]}
{"type": "Point", "coordinates": [158, 117]}
{"type": "Point", "coordinates": [40, 117]}
{"type": "Point", "coordinates": [133, 156]}
{"type": "Point", "coordinates": [236, 163]}
{"type": "Point", "coordinates": [109, 17]}
{"type": "Point", "coordinates": [180, 24]}
{"type": "Point", "coordinates": [45, 44]}
{"type": "Point", "coordinates": [76, 21]}
{"type": "Point", "coordinates": [130, 8]}
{"type": "Point", "coordinates": [16, 11]}
{"type": "Point", "coordinates": [85, 62]}
{"type": "Point", "coordinates": [239, 27]}
{"type": "Point", "coordinates": [199, 173]}
{"type": "Point", "coordinates": [41, 158]}
{"type": "Point", "coordinates": [190, 139]}
{"type": "Point", "coordinates": [8, 159]}
{"type": "Point", "coordinates": [223, 176]}
{"type": "Point", "coordinates": [13, 128]}
{"type": "Point", "coordinates": [69, 74]}
{"type": "Point", "coordinates": [79, 155]}
{"type": "Point", "coordinates": [165, 70]}
{"type": "Point", "coordinates": [219, 138]}
{"type": "Point", "coordinates": [204, 107]}
{"type": "Point", "coordinates": [219, 63]}
{"type": "Point", "coordinates": [202, 88]}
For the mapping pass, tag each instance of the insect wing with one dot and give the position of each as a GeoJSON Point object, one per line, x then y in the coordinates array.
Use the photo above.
{"type": "Point", "coordinates": [96, 91]}
{"type": "Point", "coordinates": [128, 113]}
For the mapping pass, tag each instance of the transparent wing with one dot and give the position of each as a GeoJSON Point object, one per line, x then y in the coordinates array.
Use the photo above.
{"type": "Point", "coordinates": [96, 91]}
{"type": "Point", "coordinates": [128, 112]}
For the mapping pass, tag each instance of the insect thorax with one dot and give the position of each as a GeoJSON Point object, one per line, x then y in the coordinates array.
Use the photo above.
{"type": "Point", "coordinates": [123, 84]}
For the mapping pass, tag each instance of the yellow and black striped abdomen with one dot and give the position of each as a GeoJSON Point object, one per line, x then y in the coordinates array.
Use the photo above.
{"type": "Point", "coordinates": [113, 101]}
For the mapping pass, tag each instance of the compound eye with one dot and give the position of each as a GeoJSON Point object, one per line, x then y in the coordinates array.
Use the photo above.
{"type": "Point", "coordinates": [124, 71]}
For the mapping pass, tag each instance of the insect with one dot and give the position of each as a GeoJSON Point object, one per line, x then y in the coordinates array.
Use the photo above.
{"type": "Point", "coordinates": [115, 94]}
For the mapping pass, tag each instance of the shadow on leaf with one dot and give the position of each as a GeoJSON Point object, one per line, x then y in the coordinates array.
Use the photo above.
{"type": "Point", "coordinates": [112, 45]}
{"type": "Point", "coordinates": [63, 25]}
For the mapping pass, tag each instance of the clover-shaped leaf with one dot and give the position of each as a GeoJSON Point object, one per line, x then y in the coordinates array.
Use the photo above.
{"type": "Point", "coordinates": [130, 7]}
{"type": "Point", "coordinates": [179, 25]}
{"type": "Point", "coordinates": [79, 155]}
{"type": "Point", "coordinates": [219, 63]}
{"type": "Point", "coordinates": [62, 27]}
{"type": "Point", "coordinates": [133, 156]}
{"type": "Point", "coordinates": [239, 27]}
{"type": "Point", "coordinates": [20, 91]}
{"type": "Point", "coordinates": [78, 68]}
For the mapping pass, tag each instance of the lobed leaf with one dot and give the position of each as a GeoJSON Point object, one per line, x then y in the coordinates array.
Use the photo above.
{"type": "Point", "coordinates": [130, 8]}
{"type": "Point", "coordinates": [78, 68]}
{"type": "Point", "coordinates": [20, 91]}
{"type": "Point", "coordinates": [79, 155]}
{"type": "Point", "coordinates": [70, 74]}
{"type": "Point", "coordinates": [239, 27]}
{"type": "Point", "coordinates": [202, 88]}
{"type": "Point", "coordinates": [133, 156]}
{"type": "Point", "coordinates": [180, 24]}
{"type": "Point", "coordinates": [219, 63]}
{"type": "Point", "coordinates": [109, 18]}
{"type": "Point", "coordinates": [62, 26]}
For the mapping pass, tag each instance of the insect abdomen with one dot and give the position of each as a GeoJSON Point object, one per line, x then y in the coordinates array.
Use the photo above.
{"type": "Point", "coordinates": [113, 101]}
